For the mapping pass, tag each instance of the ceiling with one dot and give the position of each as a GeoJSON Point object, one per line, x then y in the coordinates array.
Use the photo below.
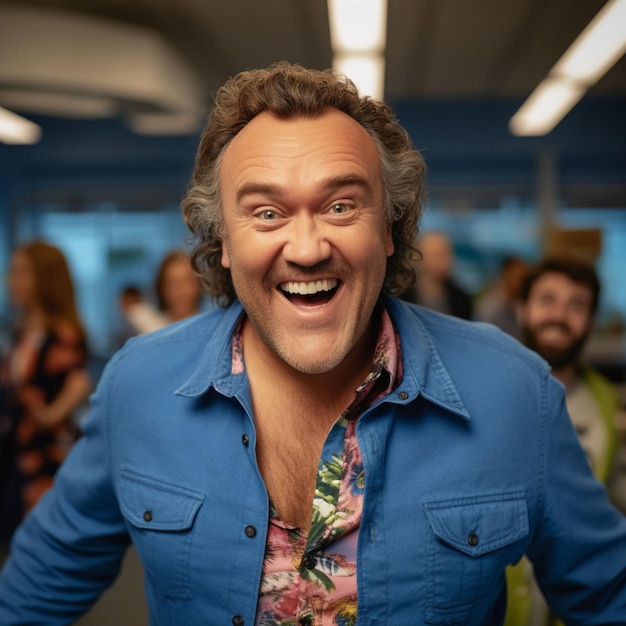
{"type": "Point", "coordinates": [436, 49]}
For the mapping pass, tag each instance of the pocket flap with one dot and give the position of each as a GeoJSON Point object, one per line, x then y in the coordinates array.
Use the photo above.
{"type": "Point", "coordinates": [155, 505]}
{"type": "Point", "coordinates": [479, 524]}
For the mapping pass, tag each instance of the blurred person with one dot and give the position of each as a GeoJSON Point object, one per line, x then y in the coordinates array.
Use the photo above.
{"type": "Point", "coordinates": [317, 451]}
{"type": "Point", "coordinates": [178, 294]}
{"type": "Point", "coordinates": [558, 302]}
{"type": "Point", "coordinates": [139, 315]}
{"type": "Point", "coordinates": [556, 311]}
{"type": "Point", "coordinates": [178, 289]}
{"type": "Point", "coordinates": [43, 378]}
{"type": "Point", "coordinates": [435, 288]}
{"type": "Point", "coordinates": [498, 305]}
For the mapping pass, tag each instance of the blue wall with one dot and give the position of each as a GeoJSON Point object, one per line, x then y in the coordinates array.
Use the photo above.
{"type": "Point", "coordinates": [462, 142]}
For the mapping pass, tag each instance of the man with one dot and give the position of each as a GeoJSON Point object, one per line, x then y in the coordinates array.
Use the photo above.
{"type": "Point", "coordinates": [435, 288]}
{"type": "Point", "coordinates": [558, 301]}
{"type": "Point", "coordinates": [318, 450]}
{"type": "Point", "coordinates": [556, 310]}
{"type": "Point", "coordinates": [498, 304]}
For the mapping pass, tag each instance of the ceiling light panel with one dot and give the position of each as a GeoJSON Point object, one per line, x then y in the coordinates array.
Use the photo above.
{"type": "Point", "coordinates": [15, 129]}
{"type": "Point", "coordinates": [357, 25]}
{"type": "Point", "coordinates": [546, 106]}
{"type": "Point", "coordinates": [598, 47]}
{"type": "Point", "coordinates": [366, 71]}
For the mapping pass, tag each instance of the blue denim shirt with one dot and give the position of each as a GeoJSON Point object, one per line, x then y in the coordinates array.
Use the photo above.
{"type": "Point", "coordinates": [470, 463]}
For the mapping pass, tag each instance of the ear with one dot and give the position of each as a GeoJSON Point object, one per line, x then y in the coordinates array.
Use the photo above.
{"type": "Point", "coordinates": [225, 260]}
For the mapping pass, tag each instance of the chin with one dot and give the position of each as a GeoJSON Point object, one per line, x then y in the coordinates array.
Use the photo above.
{"type": "Point", "coordinates": [313, 363]}
{"type": "Point", "coordinates": [312, 366]}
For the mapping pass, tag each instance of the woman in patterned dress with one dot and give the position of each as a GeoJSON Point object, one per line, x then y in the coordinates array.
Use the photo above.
{"type": "Point", "coordinates": [43, 379]}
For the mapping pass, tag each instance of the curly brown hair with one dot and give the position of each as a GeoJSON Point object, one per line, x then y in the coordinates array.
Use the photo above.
{"type": "Point", "coordinates": [289, 91]}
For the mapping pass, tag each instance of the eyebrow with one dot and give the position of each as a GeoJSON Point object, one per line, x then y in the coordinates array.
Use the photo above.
{"type": "Point", "coordinates": [330, 184]}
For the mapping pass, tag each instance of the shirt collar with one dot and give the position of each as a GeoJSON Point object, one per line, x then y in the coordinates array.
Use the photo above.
{"type": "Point", "coordinates": [214, 366]}
{"type": "Point", "coordinates": [424, 373]}
{"type": "Point", "coordinates": [422, 370]}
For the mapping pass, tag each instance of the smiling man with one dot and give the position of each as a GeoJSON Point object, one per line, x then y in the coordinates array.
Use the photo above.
{"type": "Point", "coordinates": [315, 451]}
{"type": "Point", "coordinates": [558, 303]}
{"type": "Point", "coordinates": [556, 310]}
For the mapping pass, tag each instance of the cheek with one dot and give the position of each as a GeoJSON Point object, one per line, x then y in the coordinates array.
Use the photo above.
{"type": "Point", "coordinates": [537, 312]}
{"type": "Point", "coordinates": [579, 323]}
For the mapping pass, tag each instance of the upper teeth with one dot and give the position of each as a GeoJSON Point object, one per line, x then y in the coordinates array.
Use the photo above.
{"type": "Point", "coordinates": [310, 287]}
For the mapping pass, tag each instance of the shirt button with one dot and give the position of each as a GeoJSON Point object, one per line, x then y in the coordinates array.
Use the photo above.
{"type": "Point", "coordinates": [250, 532]}
{"type": "Point", "coordinates": [403, 395]}
{"type": "Point", "coordinates": [245, 440]}
{"type": "Point", "coordinates": [472, 539]}
{"type": "Point", "coordinates": [147, 516]}
{"type": "Point", "coordinates": [309, 562]}
{"type": "Point", "coordinates": [237, 620]}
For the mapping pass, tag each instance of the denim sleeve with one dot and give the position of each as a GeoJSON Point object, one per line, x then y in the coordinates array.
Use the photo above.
{"type": "Point", "coordinates": [579, 550]}
{"type": "Point", "coordinates": [70, 547]}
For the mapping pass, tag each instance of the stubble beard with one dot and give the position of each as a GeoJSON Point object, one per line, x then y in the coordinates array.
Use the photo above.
{"type": "Point", "coordinates": [558, 358]}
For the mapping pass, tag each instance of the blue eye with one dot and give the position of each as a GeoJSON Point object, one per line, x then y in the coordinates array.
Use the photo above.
{"type": "Point", "coordinates": [268, 214]}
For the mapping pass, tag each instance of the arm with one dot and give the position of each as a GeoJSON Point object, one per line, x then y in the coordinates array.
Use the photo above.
{"type": "Point", "coordinates": [69, 549]}
{"type": "Point", "coordinates": [579, 551]}
{"type": "Point", "coordinates": [74, 391]}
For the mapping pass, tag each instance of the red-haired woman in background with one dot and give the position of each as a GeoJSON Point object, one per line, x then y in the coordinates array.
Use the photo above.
{"type": "Point", "coordinates": [178, 290]}
{"type": "Point", "coordinates": [43, 379]}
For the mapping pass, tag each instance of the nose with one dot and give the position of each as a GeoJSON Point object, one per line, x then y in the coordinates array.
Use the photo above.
{"type": "Point", "coordinates": [558, 311]}
{"type": "Point", "coordinates": [306, 242]}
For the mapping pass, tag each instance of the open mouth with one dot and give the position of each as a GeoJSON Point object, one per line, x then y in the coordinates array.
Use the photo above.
{"type": "Point", "coordinates": [311, 292]}
{"type": "Point", "coordinates": [554, 331]}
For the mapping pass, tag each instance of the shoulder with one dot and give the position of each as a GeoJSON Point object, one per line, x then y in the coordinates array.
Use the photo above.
{"type": "Point", "coordinates": [173, 352]}
{"type": "Point", "coordinates": [599, 385]}
{"type": "Point", "coordinates": [464, 346]}
{"type": "Point", "coordinates": [189, 334]}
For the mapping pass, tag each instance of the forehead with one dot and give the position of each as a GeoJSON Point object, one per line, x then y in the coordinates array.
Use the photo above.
{"type": "Point", "coordinates": [562, 285]}
{"type": "Point", "coordinates": [270, 146]}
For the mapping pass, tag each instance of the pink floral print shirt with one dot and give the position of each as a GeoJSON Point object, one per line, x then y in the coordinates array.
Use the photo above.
{"type": "Point", "coordinates": [311, 580]}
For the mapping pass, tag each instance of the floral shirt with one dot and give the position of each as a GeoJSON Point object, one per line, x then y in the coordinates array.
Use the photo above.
{"type": "Point", "coordinates": [311, 580]}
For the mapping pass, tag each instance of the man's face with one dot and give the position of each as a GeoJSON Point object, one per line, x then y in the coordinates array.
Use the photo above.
{"type": "Point", "coordinates": [556, 319]}
{"type": "Point", "coordinates": [305, 239]}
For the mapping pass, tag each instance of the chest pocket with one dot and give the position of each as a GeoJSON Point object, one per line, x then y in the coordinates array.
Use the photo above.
{"type": "Point", "coordinates": [161, 517]}
{"type": "Point", "coordinates": [468, 548]}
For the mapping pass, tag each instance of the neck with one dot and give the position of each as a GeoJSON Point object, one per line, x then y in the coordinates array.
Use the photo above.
{"type": "Point", "coordinates": [568, 375]}
{"type": "Point", "coordinates": [332, 388]}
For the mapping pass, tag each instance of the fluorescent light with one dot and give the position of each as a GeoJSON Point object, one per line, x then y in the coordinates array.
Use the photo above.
{"type": "Point", "coordinates": [67, 63]}
{"type": "Point", "coordinates": [601, 44]}
{"type": "Point", "coordinates": [357, 25]}
{"type": "Point", "coordinates": [366, 71]}
{"type": "Point", "coordinates": [15, 129]}
{"type": "Point", "coordinates": [74, 105]}
{"type": "Point", "coordinates": [598, 47]}
{"type": "Point", "coordinates": [358, 35]}
{"type": "Point", "coordinates": [545, 107]}
{"type": "Point", "coordinates": [163, 123]}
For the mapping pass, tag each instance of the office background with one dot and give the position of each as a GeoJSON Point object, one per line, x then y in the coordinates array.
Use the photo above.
{"type": "Point", "coordinates": [455, 72]}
